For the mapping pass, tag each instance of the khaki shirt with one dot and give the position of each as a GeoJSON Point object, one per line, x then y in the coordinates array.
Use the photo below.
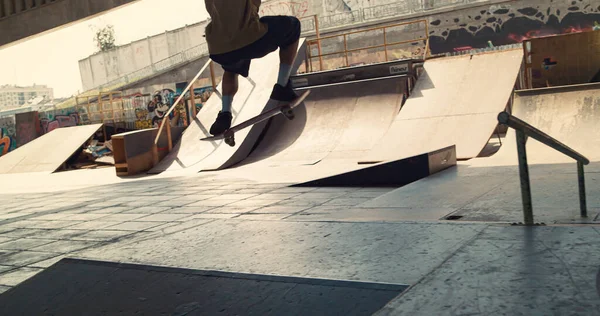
{"type": "Point", "coordinates": [234, 24]}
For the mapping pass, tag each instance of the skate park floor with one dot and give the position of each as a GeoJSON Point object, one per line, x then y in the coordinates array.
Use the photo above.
{"type": "Point", "coordinates": [477, 263]}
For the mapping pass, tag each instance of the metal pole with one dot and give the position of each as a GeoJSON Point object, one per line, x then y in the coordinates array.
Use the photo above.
{"type": "Point", "coordinates": [346, 49]}
{"type": "Point", "coordinates": [212, 78]}
{"type": "Point", "coordinates": [385, 43]}
{"type": "Point", "coordinates": [319, 42]}
{"type": "Point", "coordinates": [582, 199]}
{"type": "Point", "coordinates": [524, 173]}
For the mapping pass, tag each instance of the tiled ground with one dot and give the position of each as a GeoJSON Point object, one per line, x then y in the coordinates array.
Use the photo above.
{"type": "Point", "coordinates": [201, 223]}
{"type": "Point", "coordinates": [37, 230]}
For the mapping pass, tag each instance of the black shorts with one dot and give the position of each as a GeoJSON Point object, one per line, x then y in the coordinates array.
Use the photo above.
{"type": "Point", "coordinates": [282, 32]}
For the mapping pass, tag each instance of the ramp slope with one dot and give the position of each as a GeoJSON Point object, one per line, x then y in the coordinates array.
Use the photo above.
{"type": "Point", "coordinates": [252, 98]}
{"type": "Point", "coordinates": [570, 114]}
{"type": "Point", "coordinates": [335, 126]}
{"type": "Point", "coordinates": [47, 153]}
{"type": "Point", "coordinates": [335, 122]}
{"type": "Point", "coordinates": [455, 102]}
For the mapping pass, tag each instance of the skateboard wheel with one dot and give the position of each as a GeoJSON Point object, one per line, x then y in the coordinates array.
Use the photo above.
{"type": "Point", "coordinates": [230, 141]}
{"type": "Point", "coordinates": [288, 113]}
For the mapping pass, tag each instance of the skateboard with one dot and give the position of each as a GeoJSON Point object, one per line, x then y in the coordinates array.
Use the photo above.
{"type": "Point", "coordinates": [286, 109]}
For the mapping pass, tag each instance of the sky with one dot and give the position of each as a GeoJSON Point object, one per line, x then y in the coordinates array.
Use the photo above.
{"type": "Point", "coordinates": [52, 59]}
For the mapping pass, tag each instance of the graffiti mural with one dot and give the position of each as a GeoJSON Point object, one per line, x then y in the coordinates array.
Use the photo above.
{"type": "Point", "coordinates": [298, 9]}
{"type": "Point", "coordinates": [8, 135]}
{"type": "Point", "coordinates": [203, 94]}
{"type": "Point", "coordinates": [146, 110]}
{"type": "Point", "coordinates": [160, 104]}
{"type": "Point", "coordinates": [51, 120]}
{"type": "Point", "coordinates": [511, 23]}
{"type": "Point", "coordinates": [335, 6]}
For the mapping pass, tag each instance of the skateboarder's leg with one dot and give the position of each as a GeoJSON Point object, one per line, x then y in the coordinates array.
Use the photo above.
{"type": "Point", "coordinates": [233, 67]}
{"type": "Point", "coordinates": [284, 33]}
{"type": "Point", "coordinates": [230, 88]}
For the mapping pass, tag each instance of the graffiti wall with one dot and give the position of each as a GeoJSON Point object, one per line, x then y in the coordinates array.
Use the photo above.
{"type": "Point", "coordinates": [511, 23]}
{"type": "Point", "coordinates": [51, 120]}
{"type": "Point", "coordinates": [298, 9]}
{"type": "Point", "coordinates": [147, 110]}
{"type": "Point", "coordinates": [8, 132]}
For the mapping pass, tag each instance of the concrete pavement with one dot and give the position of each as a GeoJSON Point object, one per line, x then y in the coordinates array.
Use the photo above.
{"type": "Point", "coordinates": [477, 266]}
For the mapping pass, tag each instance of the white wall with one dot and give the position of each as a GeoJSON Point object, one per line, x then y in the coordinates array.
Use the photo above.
{"type": "Point", "coordinates": [104, 67]}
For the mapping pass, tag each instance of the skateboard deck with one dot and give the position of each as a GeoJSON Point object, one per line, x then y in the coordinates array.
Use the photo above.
{"type": "Point", "coordinates": [286, 109]}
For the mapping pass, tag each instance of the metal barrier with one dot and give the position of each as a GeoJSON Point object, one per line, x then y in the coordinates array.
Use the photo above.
{"type": "Point", "coordinates": [386, 43]}
{"type": "Point", "coordinates": [166, 120]}
{"type": "Point", "coordinates": [523, 130]}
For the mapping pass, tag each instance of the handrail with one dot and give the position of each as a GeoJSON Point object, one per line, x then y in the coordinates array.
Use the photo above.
{"type": "Point", "coordinates": [385, 44]}
{"type": "Point", "coordinates": [518, 124]}
{"type": "Point", "coordinates": [523, 130]}
{"type": "Point", "coordinates": [166, 115]}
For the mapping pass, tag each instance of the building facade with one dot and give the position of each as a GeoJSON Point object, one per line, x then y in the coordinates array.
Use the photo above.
{"type": "Point", "coordinates": [15, 96]}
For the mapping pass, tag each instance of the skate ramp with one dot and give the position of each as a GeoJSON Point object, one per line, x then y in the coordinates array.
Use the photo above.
{"type": "Point", "coordinates": [47, 153]}
{"type": "Point", "coordinates": [355, 126]}
{"type": "Point", "coordinates": [330, 132]}
{"type": "Point", "coordinates": [569, 114]}
{"type": "Point", "coordinates": [193, 155]}
{"type": "Point", "coordinates": [455, 101]}
{"type": "Point", "coordinates": [342, 123]}
{"type": "Point", "coordinates": [335, 122]}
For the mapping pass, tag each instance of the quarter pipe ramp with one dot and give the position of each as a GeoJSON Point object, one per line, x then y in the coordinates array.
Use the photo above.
{"type": "Point", "coordinates": [352, 126]}
{"type": "Point", "coordinates": [570, 114]}
{"type": "Point", "coordinates": [47, 153]}
{"type": "Point", "coordinates": [455, 102]}
{"type": "Point", "coordinates": [193, 155]}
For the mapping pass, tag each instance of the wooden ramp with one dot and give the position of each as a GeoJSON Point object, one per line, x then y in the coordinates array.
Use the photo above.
{"type": "Point", "coordinates": [570, 114]}
{"type": "Point", "coordinates": [193, 155]}
{"type": "Point", "coordinates": [352, 128]}
{"type": "Point", "coordinates": [455, 102]}
{"type": "Point", "coordinates": [47, 153]}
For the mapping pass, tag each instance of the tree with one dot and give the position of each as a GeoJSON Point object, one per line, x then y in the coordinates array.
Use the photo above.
{"type": "Point", "coordinates": [105, 38]}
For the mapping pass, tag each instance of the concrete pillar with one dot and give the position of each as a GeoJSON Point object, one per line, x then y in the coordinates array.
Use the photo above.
{"type": "Point", "coordinates": [149, 50]}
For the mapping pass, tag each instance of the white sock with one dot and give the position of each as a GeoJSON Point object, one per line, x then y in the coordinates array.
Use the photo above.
{"type": "Point", "coordinates": [284, 74]}
{"type": "Point", "coordinates": [227, 101]}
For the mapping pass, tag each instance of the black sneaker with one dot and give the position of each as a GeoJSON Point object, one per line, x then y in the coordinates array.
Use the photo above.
{"type": "Point", "coordinates": [283, 94]}
{"type": "Point", "coordinates": [222, 123]}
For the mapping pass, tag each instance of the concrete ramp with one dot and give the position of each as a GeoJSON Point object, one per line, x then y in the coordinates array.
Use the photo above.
{"type": "Point", "coordinates": [455, 102]}
{"type": "Point", "coordinates": [570, 114]}
{"type": "Point", "coordinates": [48, 152]}
{"type": "Point", "coordinates": [194, 155]}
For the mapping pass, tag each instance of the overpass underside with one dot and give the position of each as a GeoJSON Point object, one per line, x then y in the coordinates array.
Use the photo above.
{"type": "Point", "coordinates": [21, 19]}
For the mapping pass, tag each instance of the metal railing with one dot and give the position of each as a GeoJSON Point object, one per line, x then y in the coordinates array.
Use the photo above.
{"type": "Point", "coordinates": [386, 43]}
{"type": "Point", "coordinates": [523, 130]}
{"type": "Point", "coordinates": [166, 120]}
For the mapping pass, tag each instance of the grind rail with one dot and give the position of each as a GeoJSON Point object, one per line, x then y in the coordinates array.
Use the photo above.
{"type": "Point", "coordinates": [524, 130]}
